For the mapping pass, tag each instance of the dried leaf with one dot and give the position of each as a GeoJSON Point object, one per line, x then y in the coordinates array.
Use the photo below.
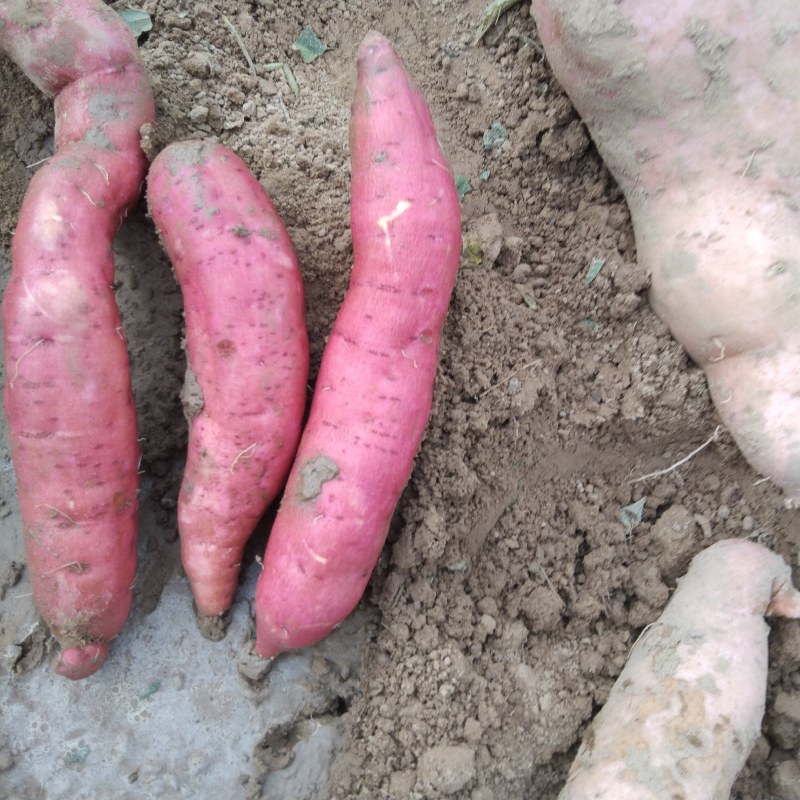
{"type": "Point", "coordinates": [490, 15]}
{"type": "Point", "coordinates": [527, 296]}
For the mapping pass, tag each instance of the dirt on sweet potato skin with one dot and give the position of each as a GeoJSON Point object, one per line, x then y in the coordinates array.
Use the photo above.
{"type": "Point", "coordinates": [510, 593]}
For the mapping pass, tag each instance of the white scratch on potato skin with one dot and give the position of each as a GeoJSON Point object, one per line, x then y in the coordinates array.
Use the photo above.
{"type": "Point", "coordinates": [409, 358]}
{"type": "Point", "coordinates": [719, 344]}
{"type": "Point", "coordinates": [103, 171]}
{"type": "Point", "coordinates": [97, 203]}
{"type": "Point", "coordinates": [320, 559]}
{"type": "Point", "coordinates": [247, 453]}
{"type": "Point", "coordinates": [383, 222]}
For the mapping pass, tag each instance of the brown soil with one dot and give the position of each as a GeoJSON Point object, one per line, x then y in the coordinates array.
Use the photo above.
{"type": "Point", "coordinates": [509, 592]}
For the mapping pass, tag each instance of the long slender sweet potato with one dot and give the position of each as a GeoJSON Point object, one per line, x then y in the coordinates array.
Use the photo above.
{"type": "Point", "coordinates": [375, 385]}
{"type": "Point", "coordinates": [67, 393]}
{"type": "Point", "coordinates": [684, 714]}
{"type": "Point", "coordinates": [248, 350]}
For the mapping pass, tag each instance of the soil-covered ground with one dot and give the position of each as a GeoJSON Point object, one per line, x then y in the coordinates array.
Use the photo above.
{"type": "Point", "coordinates": [513, 584]}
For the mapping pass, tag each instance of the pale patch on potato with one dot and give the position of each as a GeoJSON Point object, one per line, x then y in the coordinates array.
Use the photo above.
{"type": "Point", "coordinates": [679, 264]}
{"type": "Point", "coordinates": [22, 13]}
{"type": "Point", "coordinates": [62, 298]}
{"type": "Point", "coordinates": [191, 395]}
{"type": "Point", "coordinates": [314, 474]}
{"type": "Point", "coordinates": [48, 225]}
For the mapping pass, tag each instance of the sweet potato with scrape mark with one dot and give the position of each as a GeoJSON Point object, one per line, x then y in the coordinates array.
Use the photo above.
{"type": "Point", "coordinates": [67, 393]}
{"type": "Point", "coordinates": [686, 710]}
{"type": "Point", "coordinates": [248, 351]}
{"type": "Point", "coordinates": [374, 390]}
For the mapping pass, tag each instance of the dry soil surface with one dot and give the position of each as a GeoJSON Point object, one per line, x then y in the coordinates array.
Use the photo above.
{"type": "Point", "coordinates": [510, 590]}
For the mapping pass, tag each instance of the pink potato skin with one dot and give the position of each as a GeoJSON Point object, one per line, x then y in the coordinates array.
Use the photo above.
{"type": "Point", "coordinates": [67, 395]}
{"type": "Point", "coordinates": [686, 710]}
{"type": "Point", "coordinates": [374, 390]}
{"type": "Point", "coordinates": [247, 347]}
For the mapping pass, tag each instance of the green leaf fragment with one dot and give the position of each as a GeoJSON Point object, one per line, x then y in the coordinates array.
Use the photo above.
{"type": "Point", "coordinates": [494, 137]}
{"type": "Point", "coordinates": [631, 515]}
{"type": "Point", "coordinates": [242, 46]}
{"type": "Point", "coordinates": [463, 186]}
{"type": "Point", "coordinates": [594, 270]}
{"type": "Point", "coordinates": [589, 323]}
{"type": "Point", "coordinates": [286, 70]}
{"type": "Point", "coordinates": [150, 690]}
{"type": "Point", "coordinates": [290, 79]}
{"type": "Point", "coordinates": [139, 22]}
{"type": "Point", "coordinates": [484, 176]}
{"type": "Point", "coordinates": [76, 755]}
{"type": "Point", "coordinates": [309, 46]}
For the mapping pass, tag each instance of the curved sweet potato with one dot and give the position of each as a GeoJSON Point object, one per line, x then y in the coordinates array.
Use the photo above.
{"type": "Point", "coordinates": [247, 348]}
{"type": "Point", "coordinates": [68, 394]}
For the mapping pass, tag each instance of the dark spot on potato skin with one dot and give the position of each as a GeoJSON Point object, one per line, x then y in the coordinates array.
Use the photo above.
{"type": "Point", "coordinates": [122, 502]}
{"type": "Point", "coordinates": [225, 348]}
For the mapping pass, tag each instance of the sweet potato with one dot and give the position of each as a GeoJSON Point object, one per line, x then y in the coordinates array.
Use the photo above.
{"type": "Point", "coordinates": [695, 112]}
{"type": "Point", "coordinates": [374, 390]}
{"type": "Point", "coordinates": [686, 710]}
{"type": "Point", "coordinates": [68, 393]}
{"type": "Point", "coordinates": [247, 349]}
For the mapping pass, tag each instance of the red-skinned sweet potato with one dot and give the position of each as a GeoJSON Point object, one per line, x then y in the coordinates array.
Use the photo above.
{"type": "Point", "coordinates": [374, 389]}
{"type": "Point", "coordinates": [67, 393]}
{"type": "Point", "coordinates": [247, 349]}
